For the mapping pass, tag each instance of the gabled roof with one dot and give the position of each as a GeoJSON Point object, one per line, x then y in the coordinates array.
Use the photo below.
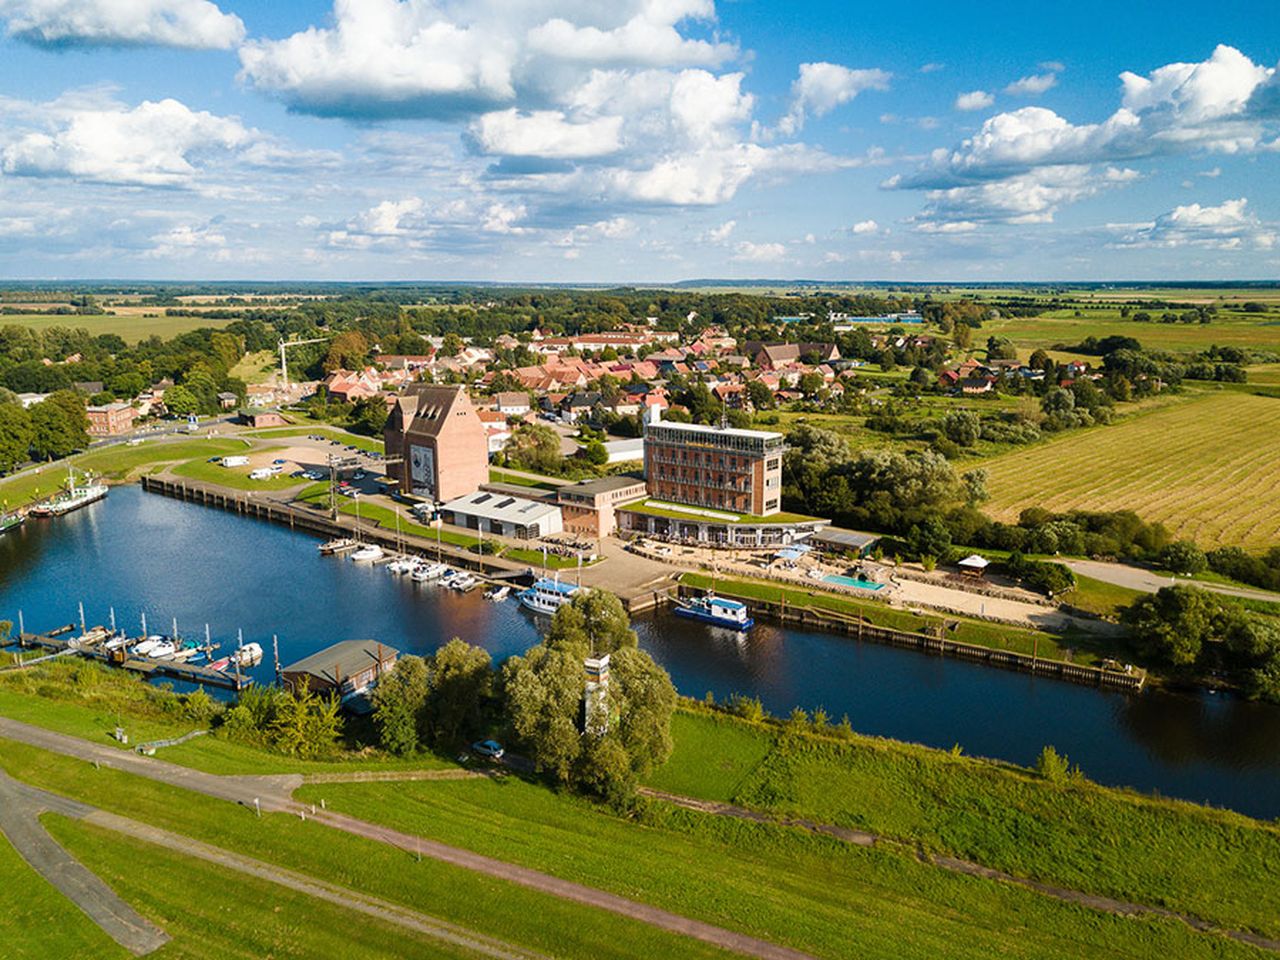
{"type": "Point", "coordinates": [347, 658]}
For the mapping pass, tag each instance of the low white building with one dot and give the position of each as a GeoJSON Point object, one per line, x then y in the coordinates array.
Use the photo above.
{"type": "Point", "coordinates": [503, 515]}
{"type": "Point", "coordinates": [625, 451]}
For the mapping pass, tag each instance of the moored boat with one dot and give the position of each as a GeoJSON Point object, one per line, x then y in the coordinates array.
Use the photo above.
{"type": "Point", "coordinates": [716, 611]}
{"type": "Point", "coordinates": [547, 595]}
{"type": "Point", "coordinates": [10, 521]}
{"type": "Point", "coordinates": [72, 498]}
{"type": "Point", "coordinates": [498, 594]}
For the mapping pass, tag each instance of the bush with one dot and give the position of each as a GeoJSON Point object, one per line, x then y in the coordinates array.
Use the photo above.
{"type": "Point", "coordinates": [1055, 767]}
{"type": "Point", "coordinates": [1183, 557]}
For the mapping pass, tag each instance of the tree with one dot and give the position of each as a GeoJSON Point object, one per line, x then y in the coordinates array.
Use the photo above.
{"type": "Point", "coordinates": [595, 453]}
{"type": "Point", "coordinates": [451, 345]}
{"type": "Point", "coordinates": [759, 395]}
{"type": "Point", "coordinates": [461, 684]}
{"type": "Point", "coordinates": [348, 351]}
{"type": "Point", "coordinates": [370, 415]}
{"type": "Point", "coordinates": [962, 427]}
{"type": "Point", "coordinates": [16, 435]}
{"type": "Point", "coordinates": [545, 700]}
{"type": "Point", "coordinates": [975, 486]}
{"type": "Point", "coordinates": [180, 401]}
{"type": "Point", "coordinates": [306, 725]}
{"type": "Point", "coordinates": [931, 539]}
{"type": "Point", "coordinates": [1172, 625]}
{"type": "Point", "coordinates": [1183, 557]}
{"type": "Point", "coordinates": [398, 703]}
{"type": "Point", "coordinates": [53, 432]}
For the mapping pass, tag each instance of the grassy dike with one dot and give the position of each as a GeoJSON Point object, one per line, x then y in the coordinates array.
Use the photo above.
{"type": "Point", "coordinates": [823, 896]}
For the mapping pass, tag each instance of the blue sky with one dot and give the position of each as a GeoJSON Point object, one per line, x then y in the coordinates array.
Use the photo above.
{"type": "Point", "coordinates": [639, 140]}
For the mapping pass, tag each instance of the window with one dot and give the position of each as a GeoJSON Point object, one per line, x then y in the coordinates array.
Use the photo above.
{"type": "Point", "coordinates": [771, 504]}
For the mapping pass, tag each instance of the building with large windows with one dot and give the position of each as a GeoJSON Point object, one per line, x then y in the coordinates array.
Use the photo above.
{"type": "Point", "coordinates": [722, 468]}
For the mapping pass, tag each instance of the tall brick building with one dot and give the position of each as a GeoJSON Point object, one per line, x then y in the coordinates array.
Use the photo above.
{"type": "Point", "coordinates": [439, 440]}
{"type": "Point", "coordinates": [716, 467]}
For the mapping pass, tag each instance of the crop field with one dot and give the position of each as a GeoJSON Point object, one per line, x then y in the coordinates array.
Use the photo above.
{"type": "Point", "coordinates": [136, 324]}
{"type": "Point", "coordinates": [1209, 469]}
{"type": "Point", "coordinates": [1258, 331]}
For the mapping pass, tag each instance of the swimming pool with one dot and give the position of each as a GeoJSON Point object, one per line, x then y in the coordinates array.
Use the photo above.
{"type": "Point", "coordinates": [852, 582]}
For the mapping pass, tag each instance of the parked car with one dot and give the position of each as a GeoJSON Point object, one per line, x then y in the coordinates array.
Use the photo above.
{"type": "Point", "coordinates": [277, 462]}
{"type": "Point", "coordinates": [488, 748]}
{"type": "Point", "coordinates": [215, 459]}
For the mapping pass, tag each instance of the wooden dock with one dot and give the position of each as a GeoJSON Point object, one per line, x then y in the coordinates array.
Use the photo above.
{"type": "Point", "coordinates": [854, 626]}
{"type": "Point", "coordinates": [62, 642]}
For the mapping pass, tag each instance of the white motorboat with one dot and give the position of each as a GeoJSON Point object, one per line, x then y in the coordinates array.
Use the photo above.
{"type": "Point", "coordinates": [428, 572]}
{"type": "Point", "coordinates": [144, 646]}
{"type": "Point", "coordinates": [367, 553]}
{"type": "Point", "coordinates": [547, 595]}
{"type": "Point", "coordinates": [248, 655]}
{"type": "Point", "coordinates": [401, 565]}
{"type": "Point", "coordinates": [449, 576]}
{"type": "Point", "coordinates": [463, 583]}
{"type": "Point", "coordinates": [498, 594]}
{"type": "Point", "coordinates": [164, 649]}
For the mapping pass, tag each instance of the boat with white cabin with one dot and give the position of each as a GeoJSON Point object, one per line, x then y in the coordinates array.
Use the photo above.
{"type": "Point", "coordinates": [367, 553]}
{"type": "Point", "coordinates": [498, 594]}
{"type": "Point", "coordinates": [547, 595]}
{"type": "Point", "coordinates": [72, 498]}
{"type": "Point", "coordinates": [716, 611]}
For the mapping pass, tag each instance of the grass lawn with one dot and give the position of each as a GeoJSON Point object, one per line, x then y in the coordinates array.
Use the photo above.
{"type": "Point", "coordinates": [512, 913]}
{"type": "Point", "coordinates": [256, 367]}
{"type": "Point", "coordinates": [1209, 469]}
{"type": "Point", "coordinates": [131, 327]}
{"type": "Point", "coordinates": [811, 893]}
{"type": "Point", "coordinates": [215, 912]}
{"type": "Point", "coordinates": [519, 480]}
{"type": "Point", "coordinates": [714, 756]}
{"type": "Point", "coordinates": [237, 477]}
{"type": "Point", "coordinates": [979, 632]}
{"type": "Point", "coordinates": [1104, 599]}
{"type": "Point", "coordinates": [37, 922]}
{"type": "Point", "coordinates": [114, 463]}
{"type": "Point", "coordinates": [1215, 864]}
{"type": "Point", "coordinates": [367, 444]}
{"type": "Point", "coordinates": [1233, 329]}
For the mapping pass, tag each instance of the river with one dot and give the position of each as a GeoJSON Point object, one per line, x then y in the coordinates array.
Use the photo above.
{"type": "Point", "coordinates": [143, 553]}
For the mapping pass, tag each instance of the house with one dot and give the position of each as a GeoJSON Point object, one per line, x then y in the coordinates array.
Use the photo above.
{"type": "Point", "coordinates": [512, 403]}
{"type": "Point", "coordinates": [110, 419]}
{"type": "Point", "coordinates": [772, 356]}
{"type": "Point", "coordinates": [976, 385]}
{"type": "Point", "coordinates": [578, 406]}
{"type": "Point", "coordinates": [436, 443]}
{"type": "Point", "coordinates": [347, 668]}
{"type": "Point", "coordinates": [350, 386]}
{"type": "Point", "coordinates": [496, 429]}
{"type": "Point", "coordinates": [227, 400]}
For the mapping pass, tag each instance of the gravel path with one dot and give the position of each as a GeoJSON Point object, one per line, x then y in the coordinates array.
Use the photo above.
{"type": "Point", "coordinates": [1149, 581]}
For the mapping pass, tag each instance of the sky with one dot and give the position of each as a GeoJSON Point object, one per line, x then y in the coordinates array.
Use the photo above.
{"type": "Point", "coordinates": [638, 140]}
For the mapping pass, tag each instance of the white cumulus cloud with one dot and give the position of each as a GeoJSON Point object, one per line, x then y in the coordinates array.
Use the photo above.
{"type": "Point", "coordinates": [749, 252]}
{"type": "Point", "coordinates": [1228, 226]}
{"type": "Point", "coordinates": [974, 100]}
{"type": "Point", "coordinates": [194, 24]}
{"type": "Point", "coordinates": [865, 226]}
{"type": "Point", "coordinates": [157, 143]}
{"type": "Point", "coordinates": [821, 87]}
{"type": "Point", "coordinates": [545, 133]}
{"type": "Point", "coordinates": [1033, 85]}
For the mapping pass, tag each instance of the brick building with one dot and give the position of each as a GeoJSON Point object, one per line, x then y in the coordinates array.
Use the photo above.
{"type": "Point", "coordinates": [588, 508]}
{"type": "Point", "coordinates": [436, 443]}
{"type": "Point", "coordinates": [110, 419]}
{"type": "Point", "coordinates": [717, 467]}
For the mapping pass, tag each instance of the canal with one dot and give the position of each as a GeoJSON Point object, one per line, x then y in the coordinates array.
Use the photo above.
{"type": "Point", "coordinates": [142, 553]}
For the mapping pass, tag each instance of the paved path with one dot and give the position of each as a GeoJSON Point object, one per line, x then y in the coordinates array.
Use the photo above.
{"type": "Point", "coordinates": [1149, 581]}
{"type": "Point", "coordinates": [270, 793]}
{"type": "Point", "coordinates": [20, 807]}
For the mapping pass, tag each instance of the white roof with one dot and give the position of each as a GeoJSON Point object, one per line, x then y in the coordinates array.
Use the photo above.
{"type": "Point", "coordinates": [500, 506]}
{"type": "Point", "coordinates": [722, 431]}
{"type": "Point", "coordinates": [973, 560]}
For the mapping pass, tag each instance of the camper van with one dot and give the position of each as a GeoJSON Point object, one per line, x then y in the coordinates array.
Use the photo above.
{"type": "Point", "coordinates": [234, 461]}
{"type": "Point", "coordinates": [265, 473]}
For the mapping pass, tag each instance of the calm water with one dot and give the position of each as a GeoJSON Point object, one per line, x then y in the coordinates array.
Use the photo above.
{"type": "Point", "coordinates": [145, 553]}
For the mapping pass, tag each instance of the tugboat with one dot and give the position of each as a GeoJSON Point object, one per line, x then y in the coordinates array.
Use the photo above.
{"type": "Point", "coordinates": [547, 595]}
{"type": "Point", "coordinates": [72, 498]}
{"type": "Point", "coordinates": [716, 611]}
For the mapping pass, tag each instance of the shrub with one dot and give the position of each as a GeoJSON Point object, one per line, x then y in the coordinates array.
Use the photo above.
{"type": "Point", "coordinates": [1053, 766]}
{"type": "Point", "coordinates": [1183, 557]}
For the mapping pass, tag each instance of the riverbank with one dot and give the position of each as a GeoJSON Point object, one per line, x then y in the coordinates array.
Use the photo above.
{"type": "Point", "coordinates": [1215, 867]}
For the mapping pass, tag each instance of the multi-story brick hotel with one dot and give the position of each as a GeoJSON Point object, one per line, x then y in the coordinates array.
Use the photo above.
{"type": "Point", "coordinates": [717, 467]}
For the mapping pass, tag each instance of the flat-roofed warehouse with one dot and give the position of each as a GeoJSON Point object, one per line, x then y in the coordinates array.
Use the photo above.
{"type": "Point", "coordinates": [503, 515]}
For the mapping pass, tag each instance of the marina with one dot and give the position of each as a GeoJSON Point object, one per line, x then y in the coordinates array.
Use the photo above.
{"type": "Point", "coordinates": [161, 556]}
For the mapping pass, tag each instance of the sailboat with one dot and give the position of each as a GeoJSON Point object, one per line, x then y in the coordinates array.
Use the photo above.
{"type": "Point", "coordinates": [72, 498]}
{"type": "Point", "coordinates": [365, 552]}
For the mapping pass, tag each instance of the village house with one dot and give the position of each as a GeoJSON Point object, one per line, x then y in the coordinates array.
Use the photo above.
{"type": "Point", "coordinates": [512, 403]}
{"type": "Point", "coordinates": [110, 419]}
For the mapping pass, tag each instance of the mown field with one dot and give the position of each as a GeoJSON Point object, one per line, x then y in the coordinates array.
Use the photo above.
{"type": "Point", "coordinates": [1258, 331]}
{"type": "Point", "coordinates": [1209, 469]}
{"type": "Point", "coordinates": [135, 325]}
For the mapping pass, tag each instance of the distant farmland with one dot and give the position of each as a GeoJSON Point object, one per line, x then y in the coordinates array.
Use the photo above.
{"type": "Point", "coordinates": [130, 323]}
{"type": "Point", "coordinates": [1209, 469]}
{"type": "Point", "coordinates": [1261, 331]}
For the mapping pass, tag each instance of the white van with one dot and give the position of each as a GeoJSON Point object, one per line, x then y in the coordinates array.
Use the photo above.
{"type": "Point", "coordinates": [262, 473]}
{"type": "Point", "coordinates": [234, 461]}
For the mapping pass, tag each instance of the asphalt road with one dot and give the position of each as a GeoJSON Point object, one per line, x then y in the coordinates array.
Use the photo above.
{"type": "Point", "coordinates": [1149, 581]}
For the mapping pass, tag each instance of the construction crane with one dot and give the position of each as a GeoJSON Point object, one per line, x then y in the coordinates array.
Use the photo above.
{"type": "Point", "coordinates": [284, 362]}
